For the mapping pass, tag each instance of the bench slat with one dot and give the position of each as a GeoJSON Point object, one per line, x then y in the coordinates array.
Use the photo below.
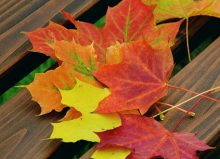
{"type": "Point", "coordinates": [14, 45]}
{"type": "Point", "coordinates": [201, 74]}
{"type": "Point", "coordinates": [22, 131]}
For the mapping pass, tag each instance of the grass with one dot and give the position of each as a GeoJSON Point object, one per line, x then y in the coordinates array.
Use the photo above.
{"type": "Point", "coordinates": [25, 81]}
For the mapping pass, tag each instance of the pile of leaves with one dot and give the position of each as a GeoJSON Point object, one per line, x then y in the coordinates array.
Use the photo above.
{"type": "Point", "coordinates": [110, 76]}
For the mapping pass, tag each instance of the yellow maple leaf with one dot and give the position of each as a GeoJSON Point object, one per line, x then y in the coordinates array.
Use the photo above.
{"type": "Point", "coordinates": [110, 153]}
{"type": "Point", "coordinates": [167, 9]}
{"type": "Point", "coordinates": [85, 98]}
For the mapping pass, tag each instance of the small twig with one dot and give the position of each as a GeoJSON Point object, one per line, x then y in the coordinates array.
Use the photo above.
{"type": "Point", "coordinates": [189, 110]}
{"type": "Point", "coordinates": [193, 92]}
{"type": "Point", "coordinates": [187, 39]}
{"type": "Point", "coordinates": [178, 105]}
{"type": "Point", "coordinates": [182, 110]}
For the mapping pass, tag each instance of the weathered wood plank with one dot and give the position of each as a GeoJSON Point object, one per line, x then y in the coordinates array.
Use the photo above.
{"type": "Point", "coordinates": [201, 74]}
{"type": "Point", "coordinates": [22, 131]}
{"type": "Point", "coordinates": [7, 5]}
{"type": "Point", "coordinates": [14, 45]}
{"type": "Point", "coordinates": [18, 12]}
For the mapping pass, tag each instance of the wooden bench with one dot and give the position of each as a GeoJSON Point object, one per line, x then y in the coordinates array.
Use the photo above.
{"type": "Point", "coordinates": [22, 131]}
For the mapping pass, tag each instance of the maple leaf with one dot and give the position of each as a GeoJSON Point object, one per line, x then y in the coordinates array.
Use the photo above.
{"type": "Point", "coordinates": [184, 8]}
{"type": "Point", "coordinates": [78, 62]}
{"type": "Point", "coordinates": [158, 37]}
{"type": "Point", "coordinates": [111, 153]}
{"type": "Point", "coordinates": [84, 97]}
{"type": "Point", "coordinates": [139, 80]}
{"type": "Point", "coordinates": [83, 59]}
{"type": "Point", "coordinates": [124, 22]}
{"type": "Point", "coordinates": [84, 128]}
{"type": "Point", "coordinates": [72, 113]}
{"type": "Point", "coordinates": [148, 138]}
{"type": "Point", "coordinates": [163, 34]}
{"type": "Point", "coordinates": [43, 37]}
{"type": "Point", "coordinates": [44, 88]}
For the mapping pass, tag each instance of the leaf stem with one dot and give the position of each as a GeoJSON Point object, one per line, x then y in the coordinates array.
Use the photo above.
{"type": "Point", "coordinates": [178, 105]}
{"type": "Point", "coordinates": [189, 110]}
{"type": "Point", "coordinates": [193, 92]}
{"type": "Point", "coordinates": [192, 114]}
{"type": "Point", "coordinates": [187, 39]}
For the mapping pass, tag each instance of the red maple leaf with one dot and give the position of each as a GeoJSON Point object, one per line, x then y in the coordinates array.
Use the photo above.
{"type": "Point", "coordinates": [124, 22]}
{"type": "Point", "coordinates": [42, 38]}
{"type": "Point", "coordinates": [139, 80]}
{"type": "Point", "coordinates": [147, 138]}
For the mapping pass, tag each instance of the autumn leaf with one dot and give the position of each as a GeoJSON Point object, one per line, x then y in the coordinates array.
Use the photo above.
{"type": "Point", "coordinates": [84, 97]}
{"type": "Point", "coordinates": [71, 114]}
{"type": "Point", "coordinates": [111, 153]}
{"type": "Point", "coordinates": [44, 88]}
{"type": "Point", "coordinates": [83, 59]}
{"type": "Point", "coordinates": [87, 34]}
{"type": "Point", "coordinates": [128, 21]}
{"type": "Point", "coordinates": [138, 81]}
{"type": "Point", "coordinates": [148, 138]}
{"type": "Point", "coordinates": [84, 128]}
{"type": "Point", "coordinates": [43, 37]}
{"type": "Point", "coordinates": [163, 34]}
{"type": "Point", "coordinates": [114, 53]}
{"type": "Point", "coordinates": [158, 36]}
{"type": "Point", "coordinates": [184, 8]}
{"type": "Point", "coordinates": [78, 62]}
{"type": "Point", "coordinates": [124, 22]}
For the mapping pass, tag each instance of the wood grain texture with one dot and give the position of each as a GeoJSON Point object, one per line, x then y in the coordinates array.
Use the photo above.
{"type": "Point", "coordinates": [34, 14]}
{"type": "Point", "coordinates": [201, 74]}
{"type": "Point", "coordinates": [23, 132]}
